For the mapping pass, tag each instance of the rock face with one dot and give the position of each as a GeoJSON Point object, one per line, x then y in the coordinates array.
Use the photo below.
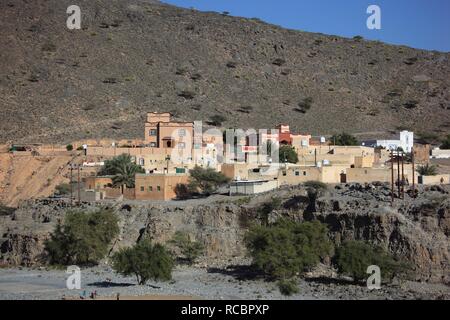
{"type": "Point", "coordinates": [131, 57]}
{"type": "Point", "coordinates": [415, 230]}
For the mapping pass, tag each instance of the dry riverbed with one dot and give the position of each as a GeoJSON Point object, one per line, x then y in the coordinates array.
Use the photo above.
{"type": "Point", "coordinates": [193, 283]}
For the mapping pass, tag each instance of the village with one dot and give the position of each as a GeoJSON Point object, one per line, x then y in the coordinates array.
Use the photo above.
{"type": "Point", "coordinates": [252, 161]}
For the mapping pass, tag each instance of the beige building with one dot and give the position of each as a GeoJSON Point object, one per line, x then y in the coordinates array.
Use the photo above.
{"type": "Point", "coordinates": [161, 132]}
{"type": "Point", "coordinates": [158, 186]}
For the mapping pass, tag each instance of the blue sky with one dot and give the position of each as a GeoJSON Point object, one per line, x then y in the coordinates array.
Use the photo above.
{"type": "Point", "coordinates": [421, 24]}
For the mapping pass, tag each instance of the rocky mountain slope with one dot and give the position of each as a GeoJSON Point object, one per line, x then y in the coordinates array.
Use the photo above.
{"type": "Point", "coordinates": [413, 230]}
{"type": "Point", "coordinates": [132, 56]}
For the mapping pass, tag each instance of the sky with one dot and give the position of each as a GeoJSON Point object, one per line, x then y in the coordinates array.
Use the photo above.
{"type": "Point", "coordinates": [423, 24]}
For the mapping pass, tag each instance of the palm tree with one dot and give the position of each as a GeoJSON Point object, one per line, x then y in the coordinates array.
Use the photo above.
{"type": "Point", "coordinates": [427, 170]}
{"type": "Point", "coordinates": [123, 170]}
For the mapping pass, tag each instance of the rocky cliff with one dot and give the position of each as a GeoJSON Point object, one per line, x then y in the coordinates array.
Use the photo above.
{"type": "Point", "coordinates": [416, 230]}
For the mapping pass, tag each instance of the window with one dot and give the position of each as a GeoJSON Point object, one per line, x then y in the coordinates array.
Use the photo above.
{"type": "Point", "coordinates": [150, 188]}
{"type": "Point", "coordinates": [141, 162]}
{"type": "Point", "coordinates": [284, 173]}
{"type": "Point", "coordinates": [181, 132]}
{"type": "Point", "coordinates": [142, 189]}
{"type": "Point", "coordinates": [153, 132]}
{"type": "Point", "coordinates": [158, 188]}
{"type": "Point", "coordinates": [304, 173]}
{"type": "Point", "coordinates": [297, 173]}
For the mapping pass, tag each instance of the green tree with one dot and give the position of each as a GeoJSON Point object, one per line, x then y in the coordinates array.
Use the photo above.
{"type": "Point", "coordinates": [190, 250]}
{"type": "Point", "coordinates": [344, 139]}
{"type": "Point", "coordinates": [145, 261]}
{"type": "Point", "coordinates": [353, 257]}
{"type": "Point", "coordinates": [206, 181]}
{"type": "Point", "coordinates": [83, 238]}
{"type": "Point", "coordinates": [427, 170]}
{"type": "Point", "coordinates": [123, 170]}
{"type": "Point", "coordinates": [288, 154]}
{"type": "Point", "coordinates": [446, 143]}
{"type": "Point", "coordinates": [286, 248]}
{"type": "Point", "coordinates": [69, 147]}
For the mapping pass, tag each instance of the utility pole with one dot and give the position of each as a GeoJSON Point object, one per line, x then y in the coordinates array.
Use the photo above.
{"type": "Point", "coordinates": [403, 176]}
{"type": "Point", "coordinates": [79, 187]}
{"type": "Point", "coordinates": [413, 174]}
{"type": "Point", "coordinates": [392, 178]}
{"type": "Point", "coordinates": [71, 185]}
{"type": "Point", "coordinates": [398, 173]}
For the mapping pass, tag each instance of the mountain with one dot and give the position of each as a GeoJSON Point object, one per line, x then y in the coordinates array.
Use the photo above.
{"type": "Point", "coordinates": [131, 57]}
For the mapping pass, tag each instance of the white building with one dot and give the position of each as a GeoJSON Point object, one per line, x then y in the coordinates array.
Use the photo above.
{"type": "Point", "coordinates": [405, 142]}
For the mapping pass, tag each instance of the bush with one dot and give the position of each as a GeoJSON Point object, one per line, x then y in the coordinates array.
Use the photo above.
{"type": "Point", "coordinates": [83, 238]}
{"type": "Point", "coordinates": [145, 261]}
{"type": "Point", "coordinates": [183, 191]}
{"type": "Point", "coordinates": [63, 189]}
{"type": "Point", "coordinates": [446, 143]}
{"type": "Point", "coordinates": [205, 181]}
{"type": "Point", "coordinates": [288, 154]}
{"type": "Point", "coordinates": [353, 257]}
{"type": "Point", "coordinates": [217, 120]}
{"type": "Point", "coordinates": [187, 94]}
{"type": "Point", "coordinates": [69, 147]}
{"type": "Point", "coordinates": [6, 211]}
{"type": "Point", "coordinates": [267, 208]}
{"type": "Point", "coordinates": [317, 185]}
{"type": "Point", "coordinates": [287, 248]}
{"type": "Point", "coordinates": [287, 287]}
{"type": "Point", "coordinates": [190, 250]}
{"type": "Point", "coordinates": [305, 105]}
{"type": "Point", "coordinates": [427, 170]}
{"type": "Point", "coordinates": [344, 139]}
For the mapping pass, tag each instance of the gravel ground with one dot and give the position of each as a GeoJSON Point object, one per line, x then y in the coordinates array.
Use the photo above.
{"type": "Point", "coordinates": [197, 283]}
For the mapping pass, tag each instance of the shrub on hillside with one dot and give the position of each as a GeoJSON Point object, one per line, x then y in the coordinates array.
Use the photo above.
{"type": "Point", "coordinates": [217, 120]}
{"type": "Point", "coordinates": [83, 238]}
{"type": "Point", "coordinates": [145, 261]}
{"type": "Point", "coordinates": [317, 185]}
{"type": "Point", "coordinates": [287, 248]}
{"type": "Point", "coordinates": [267, 207]}
{"type": "Point", "coordinates": [62, 189]}
{"type": "Point", "coordinates": [69, 147]}
{"type": "Point", "coordinates": [353, 257]}
{"type": "Point", "coordinates": [190, 250]}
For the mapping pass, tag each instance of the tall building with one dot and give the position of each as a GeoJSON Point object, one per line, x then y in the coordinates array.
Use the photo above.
{"type": "Point", "coordinates": [161, 132]}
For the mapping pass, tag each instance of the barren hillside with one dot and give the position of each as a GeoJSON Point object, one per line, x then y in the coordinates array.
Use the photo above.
{"type": "Point", "coordinates": [131, 57]}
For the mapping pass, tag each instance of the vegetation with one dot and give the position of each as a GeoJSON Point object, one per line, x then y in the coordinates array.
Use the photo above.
{"type": "Point", "coordinates": [288, 287]}
{"type": "Point", "coordinates": [6, 211]}
{"type": "Point", "coordinates": [83, 238]}
{"type": "Point", "coordinates": [446, 143]}
{"type": "Point", "coordinates": [427, 170]}
{"type": "Point", "coordinates": [145, 261]}
{"type": "Point", "coordinates": [217, 120]}
{"type": "Point", "coordinates": [317, 185]}
{"type": "Point", "coordinates": [122, 169]}
{"type": "Point", "coordinates": [353, 258]}
{"type": "Point", "coordinates": [287, 248]}
{"type": "Point", "coordinates": [305, 105]}
{"type": "Point", "coordinates": [190, 250]}
{"type": "Point", "coordinates": [206, 180]}
{"type": "Point", "coordinates": [69, 147]}
{"type": "Point", "coordinates": [344, 139]}
{"type": "Point", "coordinates": [288, 154]}
{"type": "Point", "coordinates": [62, 189]}
{"type": "Point", "coordinates": [267, 208]}
{"type": "Point", "coordinates": [427, 137]}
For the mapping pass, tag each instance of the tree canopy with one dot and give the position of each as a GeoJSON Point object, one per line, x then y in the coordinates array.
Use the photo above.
{"type": "Point", "coordinates": [123, 170]}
